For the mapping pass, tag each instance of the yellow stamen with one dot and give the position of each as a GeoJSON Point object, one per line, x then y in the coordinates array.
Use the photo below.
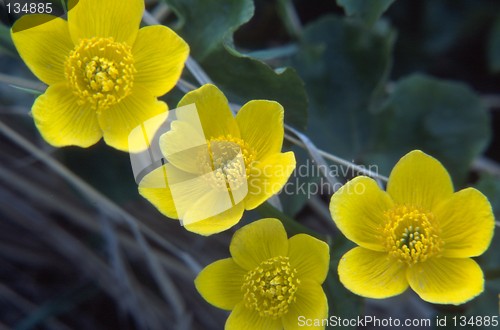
{"type": "Point", "coordinates": [100, 71]}
{"type": "Point", "coordinates": [411, 235]}
{"type": "Point", "coordinates": [270, 288]}
{"type": "Point", "coordinates": [230, 159]}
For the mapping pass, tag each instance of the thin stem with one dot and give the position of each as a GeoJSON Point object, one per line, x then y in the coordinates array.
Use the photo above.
{"type": "Point", "coordinates": [165, 283]}
{"type": "Point", "coordinates": [290, 18]}
{"type": "Point", "coordinates": [161, 11]}
{"type": "Point", "coordinates": [339, 160]}
{"type": "Point", "coordinates": [483, 164]}
{"type": "Point", "coordinates": [22, 83]}
{"type": "Point", "coordinates": [202, 78]}
{"type": "Point", "coordinates": [94, 196]}
{"type": "Point", "coordinates": [198, 73]}
{"type": "Point", "coordinates": [491, 101]}
{"type": "Point", "coordinates": [185, 86]}
{"type": "Point", "coordinates": [149, 19]}
{"type": "Point", "coordinates": [63, 4]}
{"type": "Point", "coordinates": [274, 53]}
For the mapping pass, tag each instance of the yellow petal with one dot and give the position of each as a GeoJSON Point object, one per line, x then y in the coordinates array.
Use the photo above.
{"type": "Point", "coordinates": [111, 18]}
{"type": "Point", "coordinates": [446, 280]}
{"type": "Point", "coordinates": [218, 223]}
{"type": "Point", "coordinates": [358, 211]}
{"type": "Point", "coordinates": [261, 126]}
{"type": "Point", "coordinates": [311, 305]}
{"type": "Point", "coordinates": [419, 180]}
{"type": "Point", "coordinates": [258, 242]}
{"type": "Point", "coordinates": [242, 318]}
{"type": "Point", "coordinates": [212, 203]}
{"type": "Point", "coordinates": [467, 224]}
{"type": "Point", "coordinates": [159, 55]}
{"type": "Point", "coordinates": [185, 141]}
{"type": "Point", "coordinates": [215, 115]}
{"type": "Point", "coordinates": [120, 119]}
{"type": "Point", "coordinates": [62, 122]}
{"type": "Point", "coordinates": [194, 198]}
{"type": "Point", "coordinates": [310, 257]}
{"type": "Point", "coordinates": [143, 137]}
{"type": "Point", "coordinates": [220, 283]}
{"type": "Point", "coordinates": [44, 46]}
{"type": "Point", "coordinates": [267, 178]}
{"type": "Point", "coordinates": [154, 187]}
{"type": "Point", "coordinates": [372, 274]}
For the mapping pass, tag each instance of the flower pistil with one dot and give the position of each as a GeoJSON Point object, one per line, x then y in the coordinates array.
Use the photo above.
{"type": "Point", "coordinates": [411, 235]}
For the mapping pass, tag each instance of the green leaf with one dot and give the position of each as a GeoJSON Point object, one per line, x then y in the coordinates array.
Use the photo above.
{"type": "Point", "coordinates": [343, 65]}
{"type": "Point", "coordinates": [304, 182]}
{"type": "Point", "coordinates": [367, 10]}
{"type": "Point", "coordinates": [494, 47]}
{"type": "Point", "coordinates": [205, 23]}
{"type": "Point", "coordinates": [243, 79]}
{"type": "Point", "coordinates": [443, 118]}
{"type": "Point", "coordinates": [343, 304]}
{"type": "Point", "coordinates": [6, 44]}
{"type": "Point", "coordinates": [291, 225]}
{"type": "Point", "coordinates": [208, 25]}
{"type": "Point", "coordinates": [106, 169]}
{"type": "Point", "coordinates": [490, 186]}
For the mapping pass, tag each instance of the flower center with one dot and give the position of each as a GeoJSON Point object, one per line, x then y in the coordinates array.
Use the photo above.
{"type": "Point", "coordinates": [270, 288]}
{"type": "Point", "coordinates": [230, 160]}
{"type": "Point", "coordinates": [411, 235]}
{"type": "Point", "coordinates": [100, 71]}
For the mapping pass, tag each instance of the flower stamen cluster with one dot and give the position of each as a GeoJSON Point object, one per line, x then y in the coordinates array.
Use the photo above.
{"type": "Point", "coordinates": [270, 288]}
{"type": "Point", "coordinates": [100, 71]}
{"type": "Point", "coordinates": [230, 160]}
{"type": "Point", "coordinates": [411, 235]}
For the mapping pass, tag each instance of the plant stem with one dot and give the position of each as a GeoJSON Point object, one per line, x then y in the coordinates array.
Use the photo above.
{"type": "Point", "coordinates": [98, 199]}
{"type": "Point", "coordinates": [22, 83]}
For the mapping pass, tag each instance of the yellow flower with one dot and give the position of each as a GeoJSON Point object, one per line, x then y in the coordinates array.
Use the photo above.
{"type": "Point", "coordinates": [218, 165]}
{"type": "Point", "coordinates": [103, 72]}
{"type": "Point", "coordinates": [270, 280]}
{"type": "Point", "coordinates": [419, 233]}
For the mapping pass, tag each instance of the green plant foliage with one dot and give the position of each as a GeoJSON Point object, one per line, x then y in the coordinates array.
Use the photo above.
{"type": "Point", "coordinates": [443, 118]}
{"type": "Point", "coordinates": [490, 186]}
{"type": "Point", "coordinates": [208, 27]}
{"type": "Point", "coordinates": [205, 23]}
{"type": "Point", "coordinates": [115, 179]}
{"type": "Point", "coordinates": [367, 10]}
{"type": "Point", "coordinates": [6, 45]}
{"type": "Point", "coordinates": [343, 64]}
{"type": "Point", "coordinates": [244, 78]}
{"type": "Point", "coordinates": [494, 47]}
{"type": "Point", "coordinates": [342, 303]}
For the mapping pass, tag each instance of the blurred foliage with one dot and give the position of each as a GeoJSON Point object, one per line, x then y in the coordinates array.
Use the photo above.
{"type": "Point", "coordinates": [343, 64]}
{"type": "Point", "coordinates": [445, 119]}
{"type": "Point", "coordinates": [244, 78]}
{"type": "Point", "coordinates": [208, 27]}
{"type": "Point", "coordinates": [205, 23]}
{"type": "Point", "coordinates": [494, 47]}
{"type": "Point", "coordinates": [488, 302]}
{"type": "Point", "coordinates": [367, 10]}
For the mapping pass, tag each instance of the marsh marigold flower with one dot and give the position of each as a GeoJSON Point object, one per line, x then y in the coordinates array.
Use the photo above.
{"type": "Point", "coordinates": [270, 280]}
{"type": "Point", "coordinates": [218, 165]}
{"type": "Point", "coordinates": [419, 233]}
{"type": "Point", "coordinates": [103, 72]}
